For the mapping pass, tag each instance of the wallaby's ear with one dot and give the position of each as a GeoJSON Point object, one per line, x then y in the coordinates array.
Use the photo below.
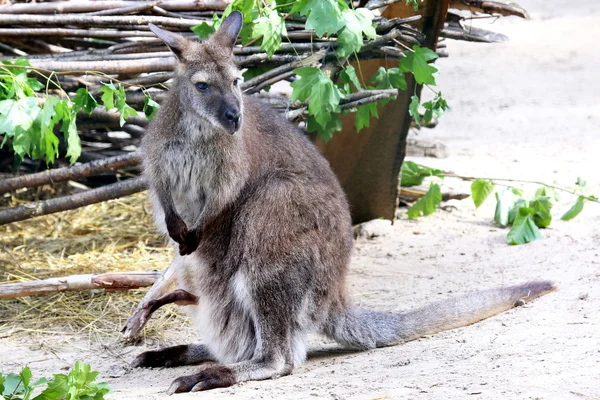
{"type": "Point", "coordinates": [176, 42]}
{"type": "Point", "coordinates": [229, 30]}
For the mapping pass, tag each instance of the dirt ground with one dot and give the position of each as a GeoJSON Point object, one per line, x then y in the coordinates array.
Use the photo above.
{"type": "Point", "coordinates": [525, 109]}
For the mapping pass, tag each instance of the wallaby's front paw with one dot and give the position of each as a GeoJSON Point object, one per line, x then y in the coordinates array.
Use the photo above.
{"type": "Point", "coordinates": [177, 229]}
{"type": "Point", "coordinates": [210, 378]}
{"type": "Point", "coordinates": [190, 243]}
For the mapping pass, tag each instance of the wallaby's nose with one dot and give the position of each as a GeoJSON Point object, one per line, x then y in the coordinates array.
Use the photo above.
{"type": "Point", "coordinates": [232, 115]}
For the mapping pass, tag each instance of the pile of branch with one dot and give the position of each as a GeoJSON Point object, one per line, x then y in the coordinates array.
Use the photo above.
{"type": "Point", "coordinates": [84, 43]}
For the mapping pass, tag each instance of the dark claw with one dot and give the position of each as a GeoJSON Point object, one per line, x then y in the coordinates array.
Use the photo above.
{"type": "Point", "coordinates": [210, 378]}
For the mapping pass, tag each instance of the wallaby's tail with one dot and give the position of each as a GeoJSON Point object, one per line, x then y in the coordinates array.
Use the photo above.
{"type": "Point", "coordinates": [363, 328]}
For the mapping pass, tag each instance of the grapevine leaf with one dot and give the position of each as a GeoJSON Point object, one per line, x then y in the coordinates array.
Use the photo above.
{"type": "Point", "coordinates": [323, 16]}
{"type": "Point", "coordinates": [83, 100]}
{"type": "Point", "coordinates": [150, 107]}
{"type": "Point", "coordinates": [203, 30]}
{"type": "Point", "coordinates": [364, 114]}
{"type": "Point", "coordinates": [324, 99]}
{"type": "Point", "coordinates": [413, 109]}
{"type": "Point", "coordinates": [20, 113]}
{"type": "Point", "coordinates": [541, 206]}
{"type": "Point", "coordinates": [480, 191]}
{"type": "Point", "coordinates": [413, 174]}
{"type": "Point", "coordinates": [524, 229]}
{"type": "Point", "coordinates": [417, 63]}
{"type": "Point", "coordinates": [271, 28]}
{"type": "Point", "coordinates": [574, 210]}
{"type": "Point", "coordinates": [396, 78]}
{"type": "Point", "coordinates": [428, 203]}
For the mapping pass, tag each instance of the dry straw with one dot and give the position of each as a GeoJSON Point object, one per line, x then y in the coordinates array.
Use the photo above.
{"type": "Point", "coordinates": [117, 235]}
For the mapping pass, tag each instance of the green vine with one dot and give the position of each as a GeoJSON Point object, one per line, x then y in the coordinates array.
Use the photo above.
{"type": "Point", "coordinates": [524, 215]}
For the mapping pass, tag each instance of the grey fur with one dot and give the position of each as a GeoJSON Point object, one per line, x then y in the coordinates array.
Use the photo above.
{"type": "Point", "coordinates": [269, 231]}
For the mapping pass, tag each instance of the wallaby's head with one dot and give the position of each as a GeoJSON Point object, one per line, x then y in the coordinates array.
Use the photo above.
{"type": "Point", "coordinates": [208, 81]}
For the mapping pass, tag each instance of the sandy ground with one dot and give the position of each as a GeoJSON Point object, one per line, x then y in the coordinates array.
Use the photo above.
{"type": "Point", "coordinates": [526, 109]}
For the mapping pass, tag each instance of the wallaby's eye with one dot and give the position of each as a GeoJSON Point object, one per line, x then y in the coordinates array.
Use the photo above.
{"type": "Point", "coordinates": [236, 81]}
{"type": "Point", "coordinates": [202, 86]}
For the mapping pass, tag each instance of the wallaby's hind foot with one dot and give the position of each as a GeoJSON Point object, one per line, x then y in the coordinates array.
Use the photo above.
{"type": "Point", "coordinates": [179, 297]}
{"type": "Point", "coordinates": [228, 375]}
{"type": "Point", "coordinates": [187, 354]}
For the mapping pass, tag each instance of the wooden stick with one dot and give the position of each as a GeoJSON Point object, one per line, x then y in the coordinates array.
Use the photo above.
{"type": "Point", "coordinates": [36, 209]}
{"type": "Point", "coordinates": [126, 10]}
{"type": "Point", "coordinates": [63, 32]}
{"type": "Point", "coordinates": [84, 6]}
{"type": "Point", "coordinates": [72, 173]}
{"type": "Point", "coordinates": [102, 21]}
{"type": "Point", "coordinates": [110, 281]}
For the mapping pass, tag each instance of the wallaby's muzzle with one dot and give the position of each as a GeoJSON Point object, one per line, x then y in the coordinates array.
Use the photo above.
{"type": "Point", "coordinates": [231, 119]}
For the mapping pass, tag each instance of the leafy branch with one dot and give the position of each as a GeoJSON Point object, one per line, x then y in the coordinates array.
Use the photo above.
{"type": "Point", "coordinates": [29, 112]}
{"type": "Point", "coordinates": [80, 383]}
{"type": "Point", "coordinates": [351, 32]}
{"type": "Point", "coordinates": [525, 216]}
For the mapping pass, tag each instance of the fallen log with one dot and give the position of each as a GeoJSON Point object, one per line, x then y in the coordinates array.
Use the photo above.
{"type": "Point", "coordinates": [111, 281]}
{"type": "Point", "coordinates": [70, 202]}
{"type": "Point", "coordinates": [71, 173]}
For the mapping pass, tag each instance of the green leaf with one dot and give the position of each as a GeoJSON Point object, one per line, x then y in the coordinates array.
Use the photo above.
{"type": "Point", "coordinates": [480, 190]}
{"type": "Point", "coordinates": [271, 28]}
{"type": "Point", "coordinates": [514, 211]}
{"type": "Point", "coordinates": [417, 63]}
{"type": "Point", "coordinates": [123, 108]}
{"type": "Point", "coordinates": [69, 129]}
{"type": "Point", "coordinates": [150, 107]}
{"type": "Point", "coordinates": [303, 87]}
{"type": "Point", "coordinates": [83, 100]}
{"type": "Point", "coordinates": [435, 107]}
{"type": "Point", "coordinates": [413, 174]}
{"type": "Point", "coordinates": [414, 3]}
{"type": "Point", "coordinates": [323, 16]}
{"type": "Point", "coordinates": [325, 132]}
{"type": "Point", "coordinates": [12, 384]}
{"type": "Point", "coordinates": [428, 203]}
{"type": "Point", "coordinates": [348, 75]}
{"type": "Point", "coordinates": [364, 114]}
{"type": "Point", "coordinates": [323, 100]}
{"type": "Point", "coordinates": [108, 94]}
{"type": "Point", "coordinates": [413, 109]}
{"type": "Point", "coordinates": [524, 229]}
{"type": "Point", "coordinates": [541, 206]}
{"type": "Point", "coordinates": [574, 210]}
{"type": "Point", "coordinates": [357, 23]}
{"type": "Point", "coordinates": [548, 192]}
{"type": "Point", "coordinates": [505, 202]}
{"type": "Point", "coordinates": [57, 388]}
{"type": "Point", "coordinates": [203, 30]}
{"type": "Point", "coordinates": [20, 113]}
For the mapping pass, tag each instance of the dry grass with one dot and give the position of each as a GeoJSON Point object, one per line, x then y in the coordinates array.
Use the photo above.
{"type": "Point", "coordinates": [117, 235]}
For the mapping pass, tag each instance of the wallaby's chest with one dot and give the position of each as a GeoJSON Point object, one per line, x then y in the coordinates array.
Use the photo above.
{"type": "Point", "coordinates": [189, 173]}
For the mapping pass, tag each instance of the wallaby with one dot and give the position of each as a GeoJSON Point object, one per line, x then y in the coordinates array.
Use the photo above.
{"type": "Point", "coordinates": [263, 232]}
